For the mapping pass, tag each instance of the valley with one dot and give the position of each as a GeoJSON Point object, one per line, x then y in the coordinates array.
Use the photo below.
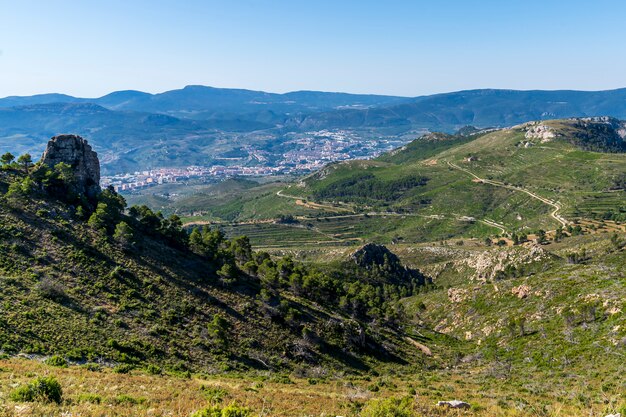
{"type": "Point", "coordinates": [482, 186]}
{"type": "Point", "coordinates": [487, 267]}
{"type": "Point", "coordinates": [312, 209]}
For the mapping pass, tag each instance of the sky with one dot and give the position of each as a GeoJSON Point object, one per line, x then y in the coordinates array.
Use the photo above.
{"type": "Point", "coordinates": [89, 48]}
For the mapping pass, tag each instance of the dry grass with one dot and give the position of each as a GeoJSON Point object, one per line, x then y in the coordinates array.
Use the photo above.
{"type": "Point", "coordinates": [138, 394]}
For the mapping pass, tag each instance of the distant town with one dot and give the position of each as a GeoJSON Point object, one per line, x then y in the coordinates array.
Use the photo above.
{"type": "Point", "coordinates": [304, 152]}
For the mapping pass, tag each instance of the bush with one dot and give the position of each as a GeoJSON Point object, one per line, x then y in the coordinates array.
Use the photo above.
{"type": "Point", "coordinates": [215, 411]}
{"type": "Point", "coordinates": [90, 398]}
{"type": "Point", "coordinates": [127, 399]}
{"type": "Point", "coordinates": [43, 389]}
{"type": "Point", "coordinates": [390, 407]}
{"type": "Point", "coordinates": [123, 368]}
{"type": "Point", "coordinates": [214, 394]}
{"type": "Point", "coordinates": [57, 361]}
{"type": "Point", "coordinates": [123, 234]}
{"type": "Point", "coordinates": [153, 370]}
{"type": "Point", "coordinates": [93, 367]}
{"type": "Point", "coordinates": [50, 289]}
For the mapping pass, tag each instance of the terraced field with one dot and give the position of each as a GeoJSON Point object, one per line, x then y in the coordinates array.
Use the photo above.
{"type": "Point", "coordinates": [268, 235]}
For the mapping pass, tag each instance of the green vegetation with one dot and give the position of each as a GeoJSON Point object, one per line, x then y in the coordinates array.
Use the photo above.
{"type": "Point", "coordinates": [365, 187]}
{"type": "Point", "coordinates": [429, 191]}
{"type": "Point", "coordinates": [390, 407]}
{"type": "Point", "coordinates": [143, 293]}
{"type": "Point", "coordinates": [228, 411]}
{"type": "Point", "coordinates": [488, 296]}
{"type": "Point", "coordinates": [45, 389]}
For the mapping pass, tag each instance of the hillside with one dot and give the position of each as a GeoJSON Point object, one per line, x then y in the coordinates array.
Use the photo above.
{"type": "Point", "coordinates": [202, 102]}
{"type": "Point", "coordinates": [87, 279]}
{"type": "Point", "coordinates": [494, 182]}
{"type": "Point", "coordinates": [135, 311]}
{"type": "Point", "coordinates": [127, 141]}
{"type": "Point", "coordinates": [94, 291]}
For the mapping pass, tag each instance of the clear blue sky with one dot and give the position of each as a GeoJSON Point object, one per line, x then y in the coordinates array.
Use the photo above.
{"type": "Point", "coordinates": [413, 47]}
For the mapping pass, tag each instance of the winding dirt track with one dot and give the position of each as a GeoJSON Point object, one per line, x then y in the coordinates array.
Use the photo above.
{"type": "Point", "coordinates": [385, 214]}
{"type": "Point", "coordinates": [554, 214]}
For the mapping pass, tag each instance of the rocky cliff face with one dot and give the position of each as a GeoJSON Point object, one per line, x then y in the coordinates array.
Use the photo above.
{"type": "Point", "coordinates": [76, 152]}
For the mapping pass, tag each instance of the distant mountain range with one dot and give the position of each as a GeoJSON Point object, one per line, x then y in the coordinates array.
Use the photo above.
{"type": "Point", "coordinates": [200, 102]}
{"type": "Point", "coordinates": [481, 108]}
{"type": "Point", "coordinates": [133, 129]}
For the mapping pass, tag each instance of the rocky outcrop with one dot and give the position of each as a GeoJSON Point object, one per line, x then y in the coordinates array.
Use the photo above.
{"type": "Point", "coordinates": [76, 152]}
{"type": "Point", "coordinates": [372, 254]}
{"type": "Point", "coordinates": [375, 260]}
{"type": "Point", "coordinates": [541, 132]}
{"type": "Point", "coordinates": [454, 404]}
{"type": "Point", "coordinates": [489, 265]}
{"type": "Point", "coordinates": [521, 291]}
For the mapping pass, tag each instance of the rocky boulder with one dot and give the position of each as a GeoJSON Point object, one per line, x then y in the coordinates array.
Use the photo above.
{"type": "Point", "coordinates": [454, 404]}
{"type": "Point", "coordinates": [76, 152]}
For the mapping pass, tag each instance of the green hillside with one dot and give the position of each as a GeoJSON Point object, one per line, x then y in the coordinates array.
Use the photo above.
{"type": "Point", "coordinates": [502, 285]}
{"type": "Point", "coordinates": [509, 330]}
{"type": "Point", "coordinates": [90, 281]}
{"type": "Point", "coordinates": [485, 184]}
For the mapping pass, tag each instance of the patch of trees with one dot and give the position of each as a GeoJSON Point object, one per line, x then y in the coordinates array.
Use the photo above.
{"type": "Point", "coordinates": [598, 137]}
{"type": "Point", "coordinates": [367, 186]}
{"type": "Point", "coordinates": [367, 295]}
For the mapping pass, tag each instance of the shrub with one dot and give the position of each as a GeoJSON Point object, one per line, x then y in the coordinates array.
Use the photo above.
{"type": "Point", "coordinates": [281, 379]}
{"type": "Point", "coordinates": [229, 411]}
{"type": "Point", "coordinates": [44, 389]}
{"type": "Point", "coordinates": [7, 347]}
{"type": "Point", "coordinates": [50, 289]}
{"type": "Point", "coordinates": [57, 361]}
{"type": "Point", "coordinates": [153, 370]}
{"type": "Point", "coordinates": [127, 399]}
{"type": "Point", "coordinates": [123, 234]}
{"type": "Point", "coordinates": [214, 394]}
{"type": "Point", "coordinates": [90, 398]}
{"type": "Point", "coordinates": [218, 330]}
{"type": "Point", "coordinates": [390, 407]}
{"type": "Point", "coordinates": [123, 368]}
{"type": "Point", "coordinates": [93, 367]}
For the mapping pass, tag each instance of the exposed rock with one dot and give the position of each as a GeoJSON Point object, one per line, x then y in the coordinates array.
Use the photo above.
{"type": "Point", "coordinates": [542, 132]}
{"type": "Point", "coordinates": [522, 291]}
{"type": "Point", "coordinates": [454, 404]}
{"type": "Point", "coordinates": [487, 265]}
{"type": "Point", "coordinates": [425, 349]}
{"type": "Point", "coordinates": [76, 152]}
{"type": "Point", "coordinates": [457, 295]}
{"type": "Point", "coordinates": [614, 415]}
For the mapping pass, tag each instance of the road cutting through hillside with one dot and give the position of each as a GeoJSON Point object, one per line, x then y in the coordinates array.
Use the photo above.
{"type": "Point", "coordinates": [554, 214]}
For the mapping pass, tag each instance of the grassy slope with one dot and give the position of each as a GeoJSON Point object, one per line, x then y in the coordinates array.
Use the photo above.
{"type": "Point", "coordinates": [575, 329]}
{"type": "Point", "coordinates": [578, 180]}
{"type": "Point", "coordinates": [68, 289]}
{"type": "Point", "coordinates": [568, 361]}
